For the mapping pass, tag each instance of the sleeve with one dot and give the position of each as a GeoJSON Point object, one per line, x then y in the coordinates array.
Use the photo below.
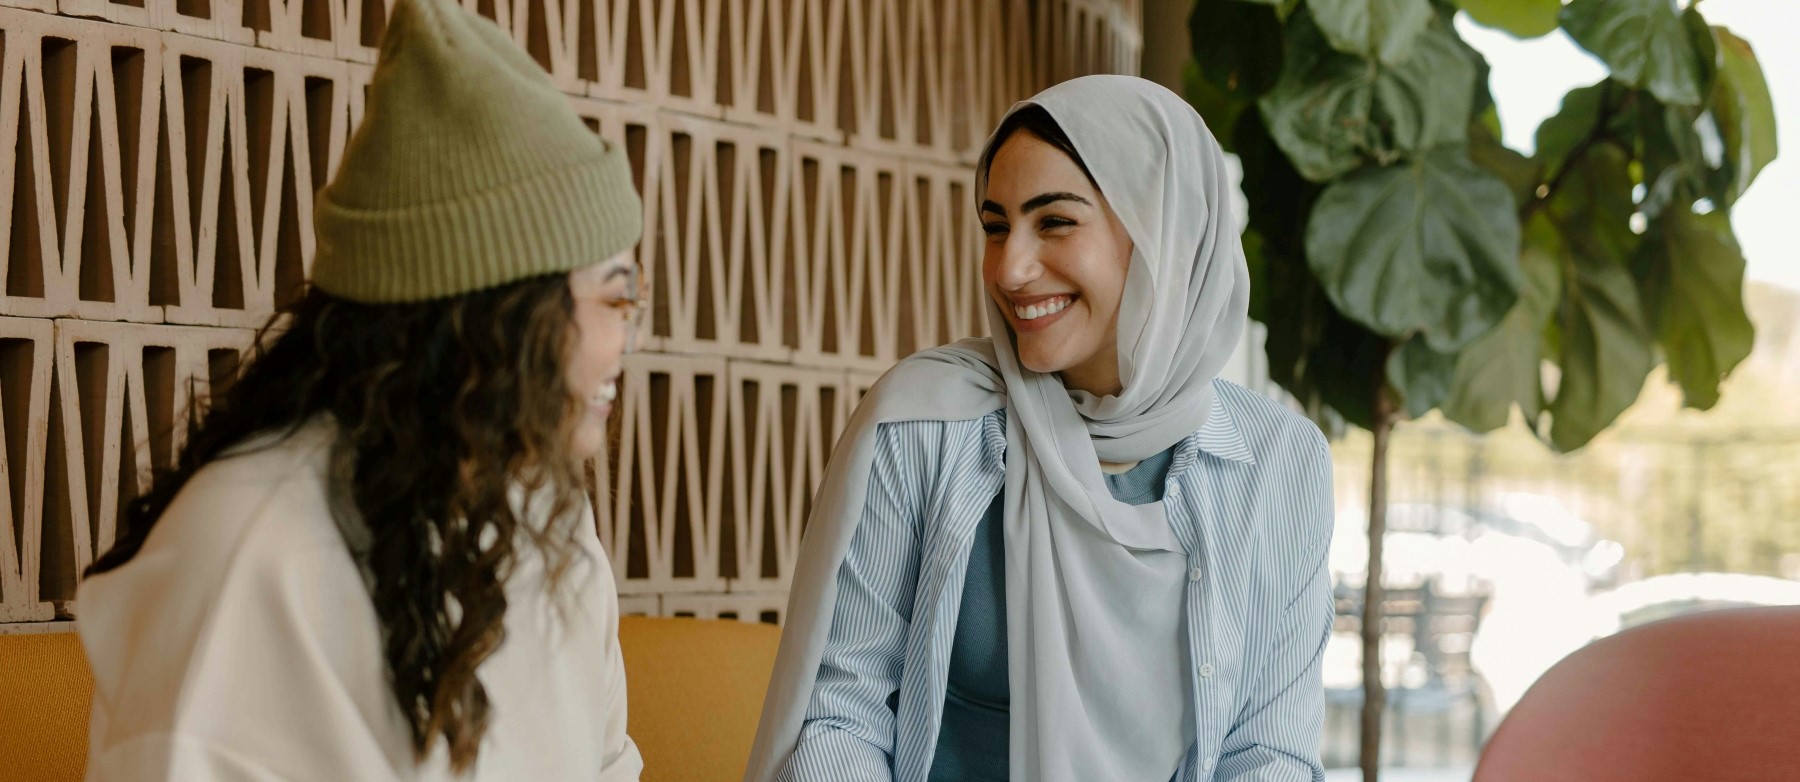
{"type": "Point", "coordinates": [1276, 737]}
{"type": "Point", "coordinates": [849, 729]}
{"type": "Point", "coordinates": [622, 762]}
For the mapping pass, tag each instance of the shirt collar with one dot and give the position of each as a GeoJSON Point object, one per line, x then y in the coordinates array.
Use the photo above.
{"type": "Point", "coordinates": [1221, 437]}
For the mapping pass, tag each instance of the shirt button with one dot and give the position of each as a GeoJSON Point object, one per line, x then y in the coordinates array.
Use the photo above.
{"type": "Point", "coordinates": [1194, 574]}
{"type": "Point", "coordinates": [1206, 671]}
{"type": "Point", "coordinates": [1207, 765]}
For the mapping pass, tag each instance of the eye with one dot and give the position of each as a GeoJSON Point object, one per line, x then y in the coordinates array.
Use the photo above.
{"type": "Point", "coordinates": [1051, 222]}
{"type": "Point", "coordinates": [994, 229]}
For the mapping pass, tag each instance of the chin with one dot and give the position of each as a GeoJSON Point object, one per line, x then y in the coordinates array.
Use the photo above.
{"type": "Point", "coordinates": [588, 440]}
{"type": "Point", "coordinates": [1042, 362]}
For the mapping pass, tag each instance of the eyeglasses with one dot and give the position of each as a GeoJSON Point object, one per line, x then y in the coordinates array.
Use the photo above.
{"type": "Point", "coordinates": [631, 314]}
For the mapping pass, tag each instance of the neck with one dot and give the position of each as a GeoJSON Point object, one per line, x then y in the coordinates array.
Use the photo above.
{"type": "Point", "coordinates": [1116, 468]}
{"type": "Point", "coordinates": [1074, 378]}
{"type": "Point", "coordinates": [1098, 375]}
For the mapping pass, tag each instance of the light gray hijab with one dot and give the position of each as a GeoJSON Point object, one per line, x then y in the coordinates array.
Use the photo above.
{"type": "Point", "coordinates": [1095, 587]}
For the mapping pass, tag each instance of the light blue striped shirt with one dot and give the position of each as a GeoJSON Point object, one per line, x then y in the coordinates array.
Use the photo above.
{"type": "Point", "coordinates": [1249, 496]}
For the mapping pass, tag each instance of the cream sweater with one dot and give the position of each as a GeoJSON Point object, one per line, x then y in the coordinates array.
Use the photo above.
{"type": "Point", "coordinates": [241, 644]}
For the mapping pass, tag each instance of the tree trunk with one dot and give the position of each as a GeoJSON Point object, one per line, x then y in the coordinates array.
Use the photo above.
{"type": "Point", "coordinates": [1374, 693]}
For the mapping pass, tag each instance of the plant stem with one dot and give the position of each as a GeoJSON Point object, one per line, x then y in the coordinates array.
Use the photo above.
{"type": "Point", "coordinates": [1374, 693]}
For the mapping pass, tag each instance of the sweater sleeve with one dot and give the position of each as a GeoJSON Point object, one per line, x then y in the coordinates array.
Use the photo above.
{"type": "Point", "coordinates": [621, 761]}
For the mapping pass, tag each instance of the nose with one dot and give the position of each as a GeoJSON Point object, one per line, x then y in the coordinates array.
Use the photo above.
{"type": "Point", "coordinates": [1018, 264]}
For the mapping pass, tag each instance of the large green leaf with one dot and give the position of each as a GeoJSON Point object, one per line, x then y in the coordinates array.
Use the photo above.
{"type": "Point", "coordinates": [1599, 339]}
{"type": "Point", "coordinates": [1421, 375]}
{"type": "Point", "coordinates": [1592, 211]}
{"type": "Point", "coordinates": [1743, 110]}
{"type": "Point", "coordinates": [1503, 368]}
{"type": "Point", "coordinates": [1580, 119]}
{"type": "Point", "coordinates": [1678, 165]}
{"type": "Point", "coordinates": [1571, 125]}
{"type": "Point", "coordinates": [1676, 169]}
{"type": "Point", "coordinates": [1237, 45]}
{"type": "Point", "coordinates": [1523, 18]}
{"type": "Point", "coordinates": [1605, 353]}
{"type": "Point", "coordinates": [1693, 152]}
{"type": "Point", "coordinates": [1428, 100]}
{"type": "Point", "coordinates": [1377, 29]}
{"type": "Point", "coordinates": [1426, 248]}
{"type": "Point", "coordinates": [1330, 111]}
{"type": "Point", "coordinates": [1644, 42]}
{"type": "Point", "coordinates": [1693, 288]}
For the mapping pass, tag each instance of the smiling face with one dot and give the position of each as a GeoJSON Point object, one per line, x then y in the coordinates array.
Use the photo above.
{"type": "Point", "coordinates": [1055, 262]}
{"type": "Point", "coordinates": [604, 295]}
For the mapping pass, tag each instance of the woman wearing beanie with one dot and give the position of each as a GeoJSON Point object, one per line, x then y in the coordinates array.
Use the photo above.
{"type": "Point", "coordinates": [1070, 552]}
{"type": "Point", "coordinates": [375, 558]}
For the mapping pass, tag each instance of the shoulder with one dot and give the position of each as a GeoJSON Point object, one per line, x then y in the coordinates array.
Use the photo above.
{"type": "Point", "coordinates": [242, 569]}
{"type": "Point", "coordinates": [1276, 434]}
{"type": "Point", "coordinates": [1293, 473]}
{"type": "Point", "coordinates": [944, 383]}
{"type": "Point", "coordinates": [271, 488]}
{"type": "Point", "coordinates": [254, 521]}
{"type": "Point", "coordinates": [935, 445]}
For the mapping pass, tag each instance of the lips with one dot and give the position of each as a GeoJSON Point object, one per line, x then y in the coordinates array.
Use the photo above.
{"type": "Point", "coordinates": [600, 402]}
{"type": "Point", "coordinates": [1044, 307]}
{"type": "Point", "coordinates": [1034, 313]}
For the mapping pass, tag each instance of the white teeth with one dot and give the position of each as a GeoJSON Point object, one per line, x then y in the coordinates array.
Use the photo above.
{"type": "Point", "coordinates": [1049, 307]}
{"type": "Point", "coordinates": [606, 394]}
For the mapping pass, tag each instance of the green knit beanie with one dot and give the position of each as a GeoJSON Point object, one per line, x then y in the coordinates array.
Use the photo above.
{"type": "Point", "coordinates": [469, 171]}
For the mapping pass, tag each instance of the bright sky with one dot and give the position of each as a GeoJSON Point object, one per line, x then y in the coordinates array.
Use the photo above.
{"type": "Point", "coordinates": [1530, 78]}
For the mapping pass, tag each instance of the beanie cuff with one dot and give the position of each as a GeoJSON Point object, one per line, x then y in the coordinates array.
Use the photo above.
{"type": "Point", "coordinates": [558, 221]}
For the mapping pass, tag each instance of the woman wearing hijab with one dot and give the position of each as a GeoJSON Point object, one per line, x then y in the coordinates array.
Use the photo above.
{"type": "Point", "coordinates": [375, 558]}
{"type": "Point", "coordinates": [1070, 553]}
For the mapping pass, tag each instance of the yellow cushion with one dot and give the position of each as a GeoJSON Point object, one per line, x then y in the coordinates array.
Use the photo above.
{"type": "Point", "coordinates": [696, 690]}
{"type": "Point", "coordinates": [45, 687]}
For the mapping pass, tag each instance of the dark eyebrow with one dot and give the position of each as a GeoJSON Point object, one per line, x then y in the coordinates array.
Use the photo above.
{"type": "Point", "coordinates": [1041, 201]}
{"type": "Point", "coordinates": [629, 271]}
{"type": "Point", "coordinates": [1036, 202]}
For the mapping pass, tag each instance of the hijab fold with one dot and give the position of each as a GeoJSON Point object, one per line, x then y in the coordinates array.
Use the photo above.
{"type": "Point", "coordinates": [1095, 587]}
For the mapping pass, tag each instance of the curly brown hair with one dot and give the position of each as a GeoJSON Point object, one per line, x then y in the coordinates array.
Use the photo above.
{"type": "Point", "coordinates": [443, 408]}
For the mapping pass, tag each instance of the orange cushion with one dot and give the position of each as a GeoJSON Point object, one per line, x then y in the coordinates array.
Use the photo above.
{"type": "Point", "coordinates": [44, 691]}
{"type": "Point", "coordinates": [1711, 696]}
{"type": "Point", "coordinates": [696, 690]}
